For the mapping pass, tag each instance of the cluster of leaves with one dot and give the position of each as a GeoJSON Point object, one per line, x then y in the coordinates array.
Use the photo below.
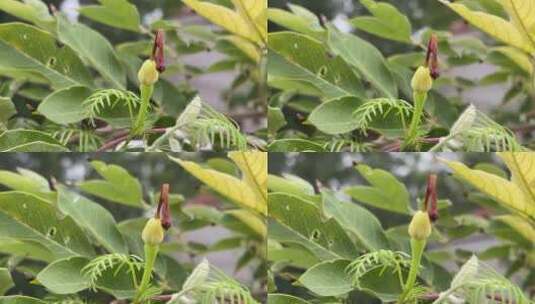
{"type": "Point", "coordinates": [72, 249]}
{"type": "Point", "coordinates": [337, 251]}
{"type": "Point", "coordinates": [64, 86]}
{"type": "Point", "coordinates": [335, 91]}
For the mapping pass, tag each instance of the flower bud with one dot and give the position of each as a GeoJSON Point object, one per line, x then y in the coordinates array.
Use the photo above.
{"type": "Point", "coordinates": [422, 81]}
{"type": "Point", "coordinates": [153, 232]}
{"type": "Point", "coordinates": [420, 226]}
{"type": "Point", "coordinates": [148, 74]}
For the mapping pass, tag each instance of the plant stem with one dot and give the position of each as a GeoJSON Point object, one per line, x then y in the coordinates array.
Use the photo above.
{"type": "Point", "coordinates": [417, 250]}
{"type": "Point", "coordinates": [412, 134]}
{"type": "Point", "coordinates": [151, 252]}
{"type": "Point", "coordinates": [146, 94]}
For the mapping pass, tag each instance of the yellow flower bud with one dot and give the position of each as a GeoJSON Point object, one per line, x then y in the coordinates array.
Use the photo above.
{"type": "Point", "coordinates": [153, 232]}
{"type": "Point", "coordinates": [420, 226]}
{"type": "Point", "coordinates": [148, 74]}
{"type": "Point", "coordinates": [422, 80]}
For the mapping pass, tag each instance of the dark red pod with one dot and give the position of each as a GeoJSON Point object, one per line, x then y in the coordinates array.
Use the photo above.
{"type": "Point", "coordinates": [431, 58]}
{"type": "Point", "coordinates": [158, 51]}
{"type": "Point", "coordinates": [430, 202]}
{"type": "Point", "coordinates": [163, 212]}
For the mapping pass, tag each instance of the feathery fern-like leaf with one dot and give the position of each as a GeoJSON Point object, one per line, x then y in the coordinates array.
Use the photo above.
{"type": "Point", "coordinates": [96, 268]}
{"type": "Point", "coordinates": [211, 286]}
{"type": "Point", "coordinates": [477, 282]}
{"type": "Point", "coordinates": [475, 131]}
{"type": "Point", "coordinates": [109, 98]}
{"type": "Point", "coordinates": [214, 128]}
{"type": "Point", "coordinates": [380, 108]}
{"type": "Point", "coordinates": [383, 259]}
{"type": "Point", "coordinates": [339, 144]}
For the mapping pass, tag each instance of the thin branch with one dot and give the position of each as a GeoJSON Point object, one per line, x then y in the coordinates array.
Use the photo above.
{"type": "Point", "coordinates": [122, 136]}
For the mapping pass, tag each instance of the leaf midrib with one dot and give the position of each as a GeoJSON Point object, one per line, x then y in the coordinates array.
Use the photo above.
{"type": "Point", "coordinates": [253, 177]}
{"type": "Point", "coordinates": [526, 32]}
{"type": "Point", "coordinates": [523, 180]}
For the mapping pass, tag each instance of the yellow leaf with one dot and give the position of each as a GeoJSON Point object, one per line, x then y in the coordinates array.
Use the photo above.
{"type": "Point", "coordinates": [522, 167]}
{"type": "Point", "coordinates": [245, 46]}
{"type": "Point", "coordinates": [251, 220]}
{"type": "Point", "coordinates": [238, 191]}
{"type": "Point", "coordinates": [254, 168]}
{"type": "Point", "coordinates": [522, 13]}
{"type": "Point", "coordinates": [520, 58]}
{"type": "Point", "coordinates": [507, 193]}
{"type": "Point", "coordinates": [495, 26]}
{"type": "Point", "coordinates": [255, 12]}
{"type": "Point", "coordinates": [226, 18]}
{"type": "Point", "coordinates": [524, 228]}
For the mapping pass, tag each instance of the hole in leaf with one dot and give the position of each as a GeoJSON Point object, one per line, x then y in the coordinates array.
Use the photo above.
{"type": "Point", "coordinates": [51, 232]}
{"type": "Point", "coordinates": [315, 234]}
{"type": "Point", "coordinates": [51, 62]}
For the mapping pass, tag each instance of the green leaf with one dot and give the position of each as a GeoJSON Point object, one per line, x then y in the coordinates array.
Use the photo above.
{"type": "Point", "coordinates": [65, 106]}
{"type": "Point", "coordinates": [362, 223]}
{"type": "Point", "coordinates": [26, 248]}
{"type": "Point", "coordinates": [300, 63]}
{"type": "Point", "coordinates": [295, 145]}
{"type": "Point", "coordinates": [118, 185]}
{"type": "Point", "coordinates": [7, 110]}
{"type": "Point", "coordinates": [34, 11]}
{"type": "Point", "coordinates": [29, 141]}
{"type": "Point", "coordinates": [20, 300]}
{"type": "Point", "coordinates": [366, 59]}
{"type": "Point", "coordinates": [96, 49]}
{"type": "Point", "coordinates": [28, 52]}
{"type": "Point", "coordinates": [276, 120]}
{"type": "Point", "coordinates": [328, 278]}
{"type": "Point", "coordinates": [382, 283]}
{"type": "Point", "coordinates": [335, 116]}
{"type": "Point", "coordinates": [387, 22]}
{"type": "Point", "coordinates": [64, 276]}
{"type": "Point", "coordinates": [27, 181]}
{"type": "Point", "coordinates": [385, 192]}
{"type": "Point", "coordinates": [27, 217]}
{"type": "Point", "coordinates": [325, 238]}
{"type": "Point", "coordinates": [285, 299]}
{"type": "Point", "coordinates": [290, 184]}
{"type": "Point", "coordinates": [5, 281]}
{"type": "Point", "coordinates": [309, 26]}
{"type": "Point", "coordinates": [117, 13]}
{"type": "Point", "coordinates": [93, 218]}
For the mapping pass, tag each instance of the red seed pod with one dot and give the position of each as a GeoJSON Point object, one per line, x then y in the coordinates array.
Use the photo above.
{"type": "Point", "coordinates": [430, 202]}
{"type": "Point", "coordinates": [431, 58]}
{"type": "Point", "coordinates": [158, 51]}
{"type": "Point", "coordinates": [163, 212]}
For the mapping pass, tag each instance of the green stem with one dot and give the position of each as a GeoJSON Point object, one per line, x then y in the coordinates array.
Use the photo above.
{"type": "Point", "coordinates": [417, 250]}
{"type": "Point", "coordinates": [419, 102]}
{"type": "Point", "coordinates": [146, 94]}
{"type": "Point", "coordinates": [151, 252]}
